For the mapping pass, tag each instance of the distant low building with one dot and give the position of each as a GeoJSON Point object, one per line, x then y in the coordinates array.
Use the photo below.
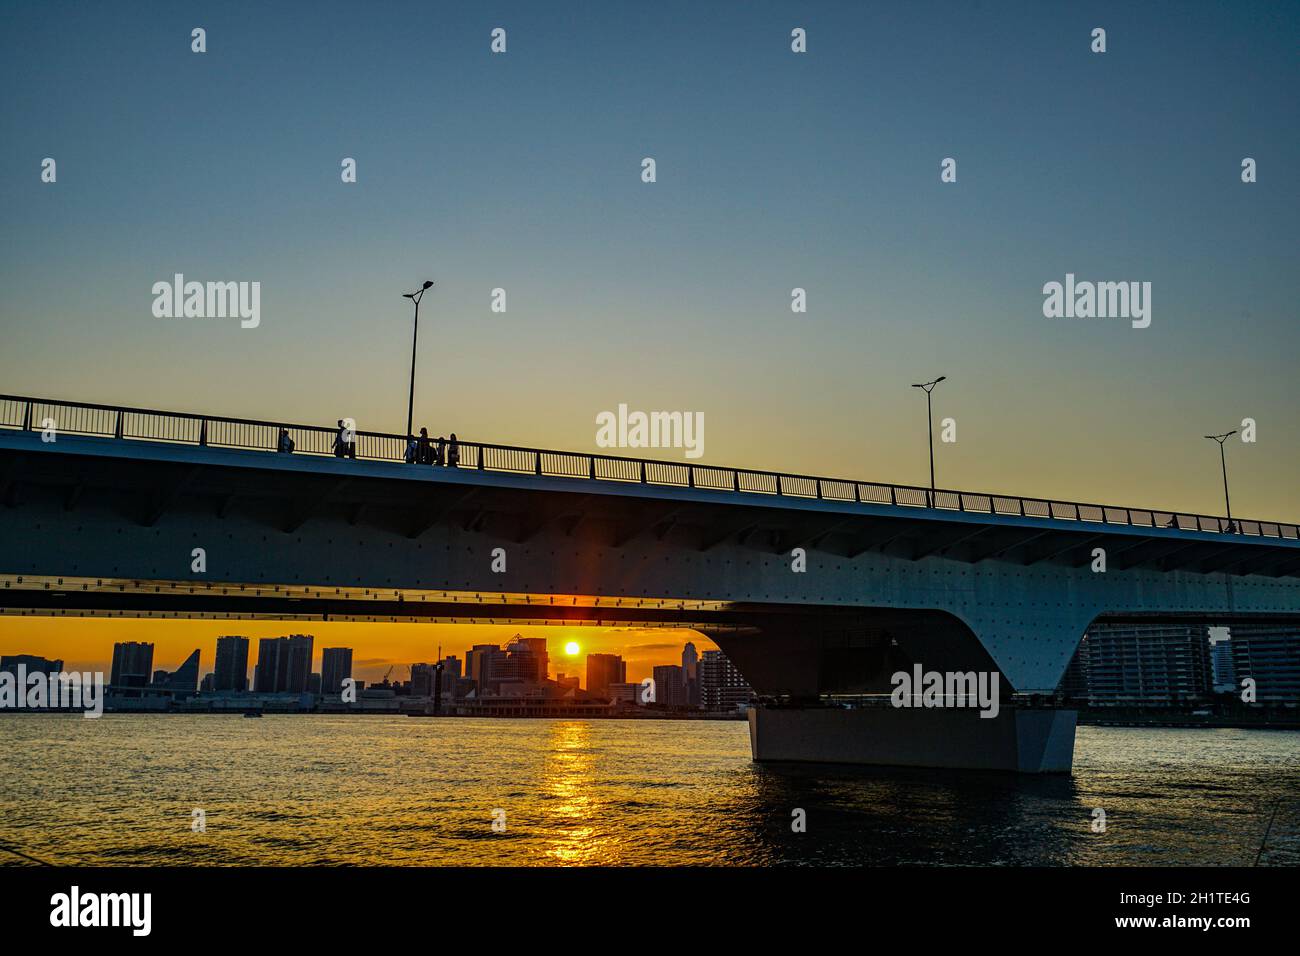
{"type": "Point", "coordinates": [625, 692]}
{"type": "Point", "coordinates": [32, 664]}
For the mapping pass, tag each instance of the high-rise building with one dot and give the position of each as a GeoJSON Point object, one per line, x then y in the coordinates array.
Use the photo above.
{"type": "Point", "coordinates": [335, 668]}
{"type": "Point", "coordinates": [231, 670]}
{"type": "Point", "coordinates": [670, 686]}
{"type": "Point", "coordinates": [1148, 665]}
{"type": "Point", "coordinates": [132, 665]}
{"type": "Point", "coordinates": [1225, 674]}
{"type": "Point", "coordinates": [1269, 654]}
{"type": "Point", "coordinates": [722, 686]}
{"type": "Point", "coordinates": [284, 664]}
{"type": "Point", "coordinates": [526, 660]}
{"type": "Point", "coordinates": [691, 674]}
{"type": "Point", "coordinates": [423, 677]}
{"type": "Point", "coordinates": [450, 676]}
{"type": "Point", "coordinates": [484, 665]}
{"type": "Point", "coordinates": [603, 670]}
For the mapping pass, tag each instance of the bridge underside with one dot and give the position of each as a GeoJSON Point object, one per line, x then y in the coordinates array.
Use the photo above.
{"type": "Point", "coordinates": [93, 526]}
{"type": "Point", "coordinates": [795, 656]}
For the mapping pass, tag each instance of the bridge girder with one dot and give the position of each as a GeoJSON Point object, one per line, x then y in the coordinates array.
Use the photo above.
{"type": "Point", "coordinates": [349, 523]}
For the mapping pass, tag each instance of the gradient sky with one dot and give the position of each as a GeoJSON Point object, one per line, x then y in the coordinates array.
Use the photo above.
{"type": "Point", "coordinates": [775, 170]}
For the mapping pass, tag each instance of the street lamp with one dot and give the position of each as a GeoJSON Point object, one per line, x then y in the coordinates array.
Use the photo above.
{"type": "Point", "coordinates": [928, 387]}
{"type": "Point", "coordinates": [1223, 460]}
{"type": "Point", "coordinates": [414, 297]}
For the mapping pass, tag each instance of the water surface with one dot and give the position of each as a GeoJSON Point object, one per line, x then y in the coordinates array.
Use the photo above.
{"type": "Point", "coordinates": [327, 790]}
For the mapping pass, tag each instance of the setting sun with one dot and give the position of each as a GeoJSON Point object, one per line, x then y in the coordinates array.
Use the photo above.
{"type": "Point", "coordinates": [572, 648]}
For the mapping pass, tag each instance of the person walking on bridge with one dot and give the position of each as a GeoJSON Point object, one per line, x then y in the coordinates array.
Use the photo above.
{"type": "Point", "coordinates": [453, 452]}
{"type": "Point", "coordinates": [424, 448]}
{"type": "Point", "coordinates": [285, 444]}
{"type": "Point", "coordinates": [344, 445]}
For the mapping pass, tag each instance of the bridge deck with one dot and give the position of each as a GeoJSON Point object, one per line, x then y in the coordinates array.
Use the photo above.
{"type": "Point", "coordinates": [215, 432]}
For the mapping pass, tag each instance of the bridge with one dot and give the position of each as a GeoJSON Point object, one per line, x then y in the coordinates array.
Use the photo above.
{"type": "Point", "coordinates": [815, 587]}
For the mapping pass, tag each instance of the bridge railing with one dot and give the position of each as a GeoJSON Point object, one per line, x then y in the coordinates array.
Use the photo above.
{"type": "Point", "coordinates": [82, 418]}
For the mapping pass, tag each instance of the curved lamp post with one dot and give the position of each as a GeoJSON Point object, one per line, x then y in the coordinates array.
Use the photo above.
{"type": "Point", "coordinates": [414, 297]}
{"type": "Point", "coordinates": [928, 387]}
{"type": "Point", "coordinates": [1223, 461]}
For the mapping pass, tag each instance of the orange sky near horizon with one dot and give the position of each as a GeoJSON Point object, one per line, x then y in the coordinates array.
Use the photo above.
{"type": "Point", "coordinates": [87, 643]}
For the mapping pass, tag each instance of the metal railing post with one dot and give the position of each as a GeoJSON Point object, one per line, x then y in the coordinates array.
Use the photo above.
{"type": "Point", "coordinates": [117, 431]}
{"type": "Point", "coordinates": [203, 433]}
{"type": "Point", "coordinates": [27, 417]}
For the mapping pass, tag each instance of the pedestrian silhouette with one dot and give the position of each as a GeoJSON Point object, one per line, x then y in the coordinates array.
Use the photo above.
{"type": "Point", "coordinates": [424, 449]}
{"type": "Point", "coordinates": [453, 452]}
{"type": "Point", "coordinates": [285, 444]}
{"type": "Point", "coordinates": [344, 446]}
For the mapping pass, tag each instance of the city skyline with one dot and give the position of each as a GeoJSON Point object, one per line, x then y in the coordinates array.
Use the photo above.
{"type": "Point", "coordinates": [90, 647]}
{"type": "Point", "coordinates": [458, 456]}
{"type": "Point", "coordinates": [776, 172]}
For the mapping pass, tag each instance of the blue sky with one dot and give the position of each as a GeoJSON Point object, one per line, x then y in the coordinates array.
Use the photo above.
{"type": "Point", "coordinates": [775, 170]}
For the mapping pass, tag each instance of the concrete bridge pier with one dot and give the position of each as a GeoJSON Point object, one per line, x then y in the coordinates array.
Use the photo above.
{"type": "Point", "coordinates": [1017, 739]}
{"type": "Point", "coordinates": [807, 665]}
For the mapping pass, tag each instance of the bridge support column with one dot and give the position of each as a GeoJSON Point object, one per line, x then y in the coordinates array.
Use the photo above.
{"type": "Point", "coordinates": [1022, 740]}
